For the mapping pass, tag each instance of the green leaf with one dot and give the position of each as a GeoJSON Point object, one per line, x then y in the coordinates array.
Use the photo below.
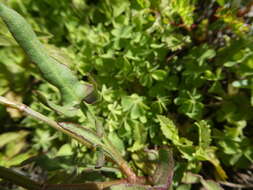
{"type": "Point", "coordinates": [65, 150]}
{"type": "Point", "coordinates": [159, 74]}
{"type": "Point", "coordinates": [208, 154]}
{"type": "Point", "coordinates": [190, 104]}
{"type": "Point", "coordinates": [191, 178]}
{"type": "Point", "coordinates": [11, 136]}
{"type": "Point", "coordinates": [143, 3]}
{"type": "Point", "coordinates": [119, 6]}
{"type": "Point", "coordinates": [204, 133]}
{"type": "Point", "coordinates": [118, 143]}
{"type": "Point", "coordinates": [210, 185]}
{"type": "Point", "coordinates": [18, 159]}
{"type": "Point", "coordinates": [161, 104]}
{"type": "Point", "coordinates": [184, 9]}
{"type": "Point", "coordinates": [135, 105]}
{"type": "Point", "coordinates": [146, 58]}
{"type": "Point", "coordinates": [208, 54]}
{"type": "Point", "coordinates": [221, 2]}
{"type": "Point", "coordinates": [59, 75]}
{"type": "Point", "coordinates": [184, 187]}
{"type": "Point", "coordinates": [64, 110]}
{"type": "Point", "coordinates": [176, 41]}
{"type": "Point", "coordinates": [14, 148]}
{"type": "Point", "coordinates": [6, 41]}
{"type": "Point", "coordinates": [139, 137]}
{"type": "Point", "coordinates": [85, 133]}
{"type": "Point", "coordinates": [168, 129]}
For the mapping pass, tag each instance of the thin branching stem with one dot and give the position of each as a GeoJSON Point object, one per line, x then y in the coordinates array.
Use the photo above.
{"type": "Point", "coordinates": [23, 181]}
{"type": "Point", "coordinates": [18, 179]}
{"type": "Point", "coordinates": [132, 178]}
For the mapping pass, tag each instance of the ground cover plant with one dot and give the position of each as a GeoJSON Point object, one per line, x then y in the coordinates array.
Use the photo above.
{"type": "Point", "coordinates": [136, 86]}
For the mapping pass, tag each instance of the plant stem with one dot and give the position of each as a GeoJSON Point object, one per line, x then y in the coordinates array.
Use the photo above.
{"type": "Point", "coordinates": [38, 116]}
{"type": "Point", "coordinates": [124, 167]}
{"type": "Point", "coordinates": [132, 178]}
{"type": "Point", "coordinates": [18, 179]}
{"type": "Point", "coordinates": [84, 186]}
{"type": "Point", "coordinates": [23, 181]}
{"type": "Point", "coordinates": [114, 153]}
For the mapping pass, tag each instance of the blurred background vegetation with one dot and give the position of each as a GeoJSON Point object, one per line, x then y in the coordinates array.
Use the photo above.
{"type": "Point", "coordinates": [169, 72]}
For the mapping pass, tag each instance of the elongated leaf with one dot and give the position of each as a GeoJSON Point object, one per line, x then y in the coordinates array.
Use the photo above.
{"type": "Point", "coordinates": [11, 136]}
{"type": "Point", "coordinates": [6, 41]}
{"type": "Point", "coordinates": [72, 90]}
{"type": "Point", "coordinates": [204, 133]}
{"type": "Point", "coordinates": [169, 129]}
{"type": "Point", "coordinates": [65, 110]}
{"type": "Point", "coordinates": [86, 134]}
{"type": "Point", "coordinates": [18, 159]}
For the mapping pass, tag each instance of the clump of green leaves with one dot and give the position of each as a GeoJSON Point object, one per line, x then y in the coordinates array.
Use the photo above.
{"type": "Point", "coordinates": [176, 73]}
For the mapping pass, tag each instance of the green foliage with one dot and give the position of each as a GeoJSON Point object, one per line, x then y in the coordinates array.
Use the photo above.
{"type": "Point", "coordinates": [72, 91]}
{"type": "Point", "coordinates": [190, 178]}
{"type": "Point", "coordinates": [175, 73]}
